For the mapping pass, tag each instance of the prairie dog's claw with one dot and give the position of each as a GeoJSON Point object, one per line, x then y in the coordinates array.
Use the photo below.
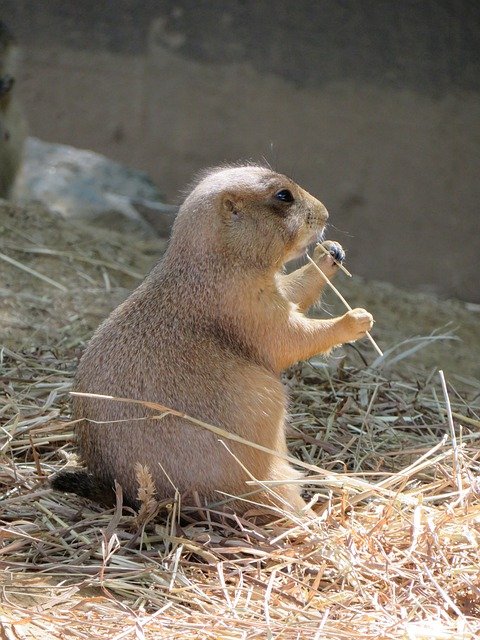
{"type": "Point", "coordinates": [337, 252]}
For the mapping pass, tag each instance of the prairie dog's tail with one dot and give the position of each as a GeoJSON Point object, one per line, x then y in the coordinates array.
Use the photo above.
{"type": "Point", "coordinates": [84, 484]}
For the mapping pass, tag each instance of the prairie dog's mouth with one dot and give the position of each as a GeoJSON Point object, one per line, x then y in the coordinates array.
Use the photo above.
{"type": "Point", "coordinates": [320, 236]}
{"type": "Point", "coordinates": [315, 237]}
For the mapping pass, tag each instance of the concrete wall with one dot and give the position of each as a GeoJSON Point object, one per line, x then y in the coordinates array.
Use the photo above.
{"type": "Point", "coordinates": [372, 105]}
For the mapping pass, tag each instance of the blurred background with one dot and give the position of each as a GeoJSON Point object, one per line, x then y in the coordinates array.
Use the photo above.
{"type": "Point", "coordinates": [372, 106]}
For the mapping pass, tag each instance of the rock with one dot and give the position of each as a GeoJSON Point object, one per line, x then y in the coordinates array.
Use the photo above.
{"type": "Point", "coordinates": [85, 185]}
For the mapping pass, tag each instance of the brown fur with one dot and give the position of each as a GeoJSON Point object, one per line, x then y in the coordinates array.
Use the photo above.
{"type": "Point", "coordinates": [208, 333]}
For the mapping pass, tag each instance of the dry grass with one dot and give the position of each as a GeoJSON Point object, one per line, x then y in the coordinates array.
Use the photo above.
{"type": "Point", "coordinates": [393, 554]}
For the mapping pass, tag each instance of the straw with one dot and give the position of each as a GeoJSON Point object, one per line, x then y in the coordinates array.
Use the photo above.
{"type": "Point", "coordinates": [33, 272]}
{"type": "Point", "coordinates": [337, 292]}
{"type": "Point", "coordinates": [393, 552]}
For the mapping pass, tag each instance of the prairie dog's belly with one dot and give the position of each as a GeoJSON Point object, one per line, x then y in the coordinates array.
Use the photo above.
{"type": "Point", "coordinates": [244, 400]}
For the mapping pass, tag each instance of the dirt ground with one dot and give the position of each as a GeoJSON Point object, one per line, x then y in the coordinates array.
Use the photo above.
{"type": "Point", "coordinates": [59, 279]}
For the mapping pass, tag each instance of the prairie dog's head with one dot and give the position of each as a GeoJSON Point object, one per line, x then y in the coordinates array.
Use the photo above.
{"type": "Point", "coordinates": [250, 215]}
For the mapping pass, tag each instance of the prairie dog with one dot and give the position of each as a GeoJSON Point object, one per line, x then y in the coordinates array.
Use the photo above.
{"type": "Point", "coordinates": [12, 124]}
{"type": "Point", "coordinates": [208, 333]}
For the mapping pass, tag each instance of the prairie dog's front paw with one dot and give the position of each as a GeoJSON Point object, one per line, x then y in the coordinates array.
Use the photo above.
{"type": "Point", "coordinates": [326, 261]}
{"type": "Point", "coordinates": [355, 324]}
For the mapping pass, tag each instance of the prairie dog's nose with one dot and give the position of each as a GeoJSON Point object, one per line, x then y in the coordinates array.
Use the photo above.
{"type": "Point", "coordinates": [325, 212]}
{"type": "Point", "coordinates": [321, 211]}
{"type": "Point", "coordinates": [317, 208]}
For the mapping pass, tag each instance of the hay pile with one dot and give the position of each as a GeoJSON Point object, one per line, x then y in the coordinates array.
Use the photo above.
{"type": "Point", "coordinates": [393, 554]}
{"type": "Point", "coordinates": [59, 279]}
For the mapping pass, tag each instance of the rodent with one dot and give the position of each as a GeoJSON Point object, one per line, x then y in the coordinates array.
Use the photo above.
{"type": "Point", "coordinates": [208, 333]}
{"type": "Point", "coordinates": [12, 123]}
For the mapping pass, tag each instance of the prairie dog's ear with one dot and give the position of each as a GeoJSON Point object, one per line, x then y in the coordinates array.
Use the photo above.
{"type": "Point", "coordinates": [231, 205]}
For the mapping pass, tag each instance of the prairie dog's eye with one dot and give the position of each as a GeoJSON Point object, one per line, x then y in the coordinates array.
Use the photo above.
{"type": "Point", "coordinates": [284, 195]}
